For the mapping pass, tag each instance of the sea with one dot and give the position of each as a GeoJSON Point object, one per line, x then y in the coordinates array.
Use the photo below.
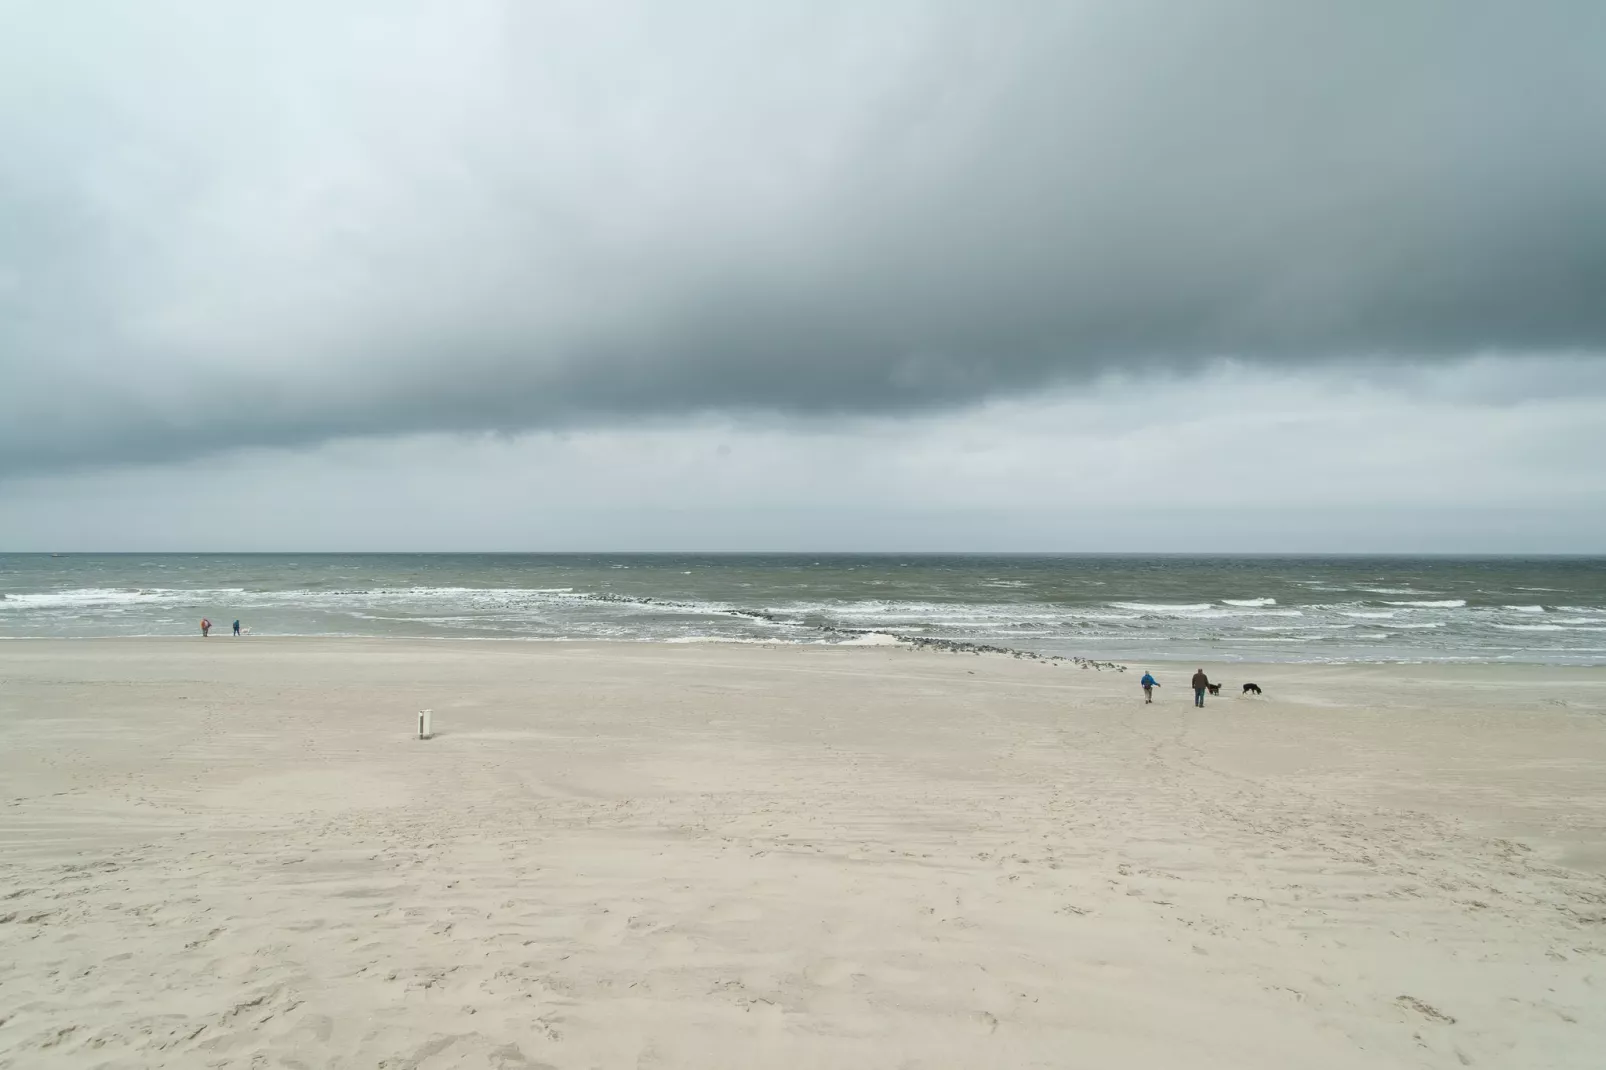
{"type": "Point", "coordinates": [1168, 607]}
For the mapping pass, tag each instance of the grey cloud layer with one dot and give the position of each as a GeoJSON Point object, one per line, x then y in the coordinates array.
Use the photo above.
{"type": "Point", "coordinates": [280, 225]}
{"type": "Point", "coordinates": [1233, 460]}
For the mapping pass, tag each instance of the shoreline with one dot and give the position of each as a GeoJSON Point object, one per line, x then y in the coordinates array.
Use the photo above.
{"type": "Point", "coordinates": [1173, 672]}
{"type": "Point", "coordinates": [1126, 663]}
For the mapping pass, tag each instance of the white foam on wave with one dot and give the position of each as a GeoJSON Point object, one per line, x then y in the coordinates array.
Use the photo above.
{"type": "Point", "coordinates": [1447, 603]}
{"type": "Point", "coordinates": [875, 613]}
{"type": "Point", "coordinates": [872, 639]}
{"type": "Point", "coordinates": [1393, 590]}
{"type": "Point", "coordinates": [1525, 609]}
{"type": "Point", "coordinates": [108, 597]}
{"type": "Point", "coordinates": [1240, 614]}
{"type": "Point", "coordinates": [1163, 607]}
{"type": "Point", "coordinates": [1383, 614]}
{"type": "Point", "coordinates": [1532, 627]}
{"type": "Point", "coordinates": [1249, 601]}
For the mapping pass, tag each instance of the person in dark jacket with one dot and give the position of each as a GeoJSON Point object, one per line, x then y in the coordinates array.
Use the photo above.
{"type": "Point", "coordinates": [1200, 682]}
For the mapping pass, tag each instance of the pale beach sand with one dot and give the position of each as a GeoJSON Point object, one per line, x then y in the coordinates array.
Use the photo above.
{"type": "Point", "coordinates": [233, 854]}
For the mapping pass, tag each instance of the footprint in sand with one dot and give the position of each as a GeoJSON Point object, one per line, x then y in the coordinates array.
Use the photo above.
{"type": "Point", "coordinates": [828, 973]}
{"type": "Point", "coordinates": [736, 910]}
{"type": "Point", "coordinates": [1426, 1010]}
{"type": "Point", "coordinates": [607, 928]}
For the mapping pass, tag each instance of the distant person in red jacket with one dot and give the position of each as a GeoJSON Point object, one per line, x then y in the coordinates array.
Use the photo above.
{"type": "Point", "coordinates": [206, 626]}
{"type": "Point", "coordinates": [1200, 683]}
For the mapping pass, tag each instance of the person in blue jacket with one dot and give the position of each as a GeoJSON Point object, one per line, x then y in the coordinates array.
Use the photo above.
{"type": "Point", "coordinates": [1149, 684]}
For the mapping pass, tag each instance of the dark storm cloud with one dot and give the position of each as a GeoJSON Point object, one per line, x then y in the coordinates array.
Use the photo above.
{"type": "Point", "coordinates": [278, 225]}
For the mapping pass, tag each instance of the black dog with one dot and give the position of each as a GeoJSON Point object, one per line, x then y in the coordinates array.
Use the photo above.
{"type": "Point", "coordinates": [1214, 689]}
{"type": "Point", "coordinates": [1254, 688]}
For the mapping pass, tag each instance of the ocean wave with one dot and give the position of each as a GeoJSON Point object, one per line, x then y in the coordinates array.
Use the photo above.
{"type": "Point", "coordinates": [1531, 627]}
{"type": "Point", "coordinates": [872, 639]}
{"type": "Point", "coordinates": [100, 597]}
{"type": "Point", "coordinates": [288, 596]}
{"type": "Point", "coordinates": [1393, 590]}
{"type": "Point", "coordinates": [1447, 603]}
{"type": "Point", "coordinates": [1379, 614]}
{"type": "Point", "coordinates": [1525, 609]}
{"type": "Point", "coordinates": [875, 611]}
{"type": "Point", "coordinates": [1249, 601]}
{"type": "Point", "coordinates": [1243, 614]}
{"type": "Point", "coordinates": [1204, 611]}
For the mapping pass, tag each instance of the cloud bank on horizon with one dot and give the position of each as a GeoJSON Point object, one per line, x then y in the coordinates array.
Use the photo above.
{"type": "Point", "coordinates": [275, 225]}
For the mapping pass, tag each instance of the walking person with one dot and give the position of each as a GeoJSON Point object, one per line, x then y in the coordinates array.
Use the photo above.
{"type": "Point", "coordinates": [1200, 683]}
{"type": "Point", "coordinates": [206, 627]}
{"type": "Point", "coordinates": [1149, 684]}
{"type": "Point", "coordinates": [236, 629]}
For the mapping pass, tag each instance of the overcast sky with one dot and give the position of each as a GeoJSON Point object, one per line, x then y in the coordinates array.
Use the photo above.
{"type": "Point", "coordinates": [1075, 276]}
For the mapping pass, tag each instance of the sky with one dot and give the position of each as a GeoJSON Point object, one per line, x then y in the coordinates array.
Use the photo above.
{"type": "Point", "coordinates": [1221, 276]}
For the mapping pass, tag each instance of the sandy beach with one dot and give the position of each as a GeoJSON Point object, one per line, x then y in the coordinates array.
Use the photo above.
{"type": "Point", "coordinates": [235, 854]}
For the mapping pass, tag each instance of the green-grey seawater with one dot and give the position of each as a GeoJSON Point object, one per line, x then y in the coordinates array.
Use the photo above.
{"type": "Point", "coordinates": [1252, 608]}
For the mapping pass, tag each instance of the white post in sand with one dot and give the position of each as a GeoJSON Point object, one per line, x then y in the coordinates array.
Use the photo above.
{"type": "Point", "coordinates": [426, 727]}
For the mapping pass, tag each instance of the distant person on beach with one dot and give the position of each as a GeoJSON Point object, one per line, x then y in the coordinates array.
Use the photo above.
{"type": "Point", "coordinates": [1200, 683]}
{"type": "Point", "coordinates": [236, 629]}
{"type": "Point", "coordinates": [206, 627]}
{"type": "Point", "coordinates": [1149, 684]}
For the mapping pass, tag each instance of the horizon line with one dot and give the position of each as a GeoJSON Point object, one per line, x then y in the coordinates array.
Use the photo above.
{"type": "Point", "coordinates": [814, 553]}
